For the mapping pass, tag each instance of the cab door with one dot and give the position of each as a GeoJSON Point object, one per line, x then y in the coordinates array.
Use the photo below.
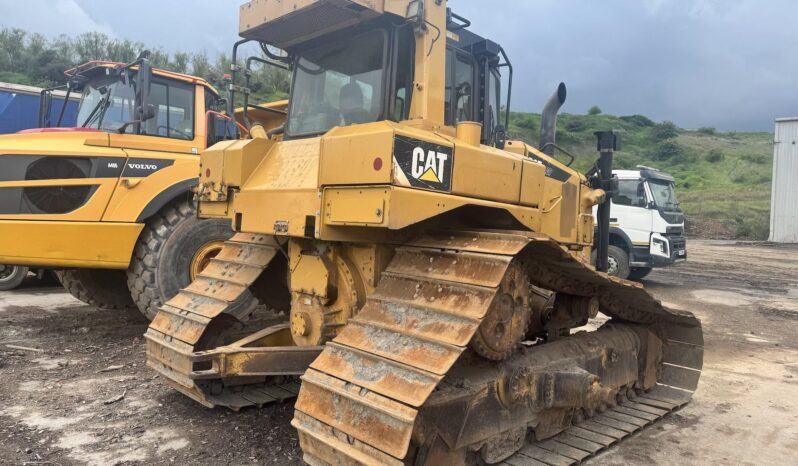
{"type": "Point", "coordinates": [630, 211]}
{"type": "Point", "coordinates": [163, 160]}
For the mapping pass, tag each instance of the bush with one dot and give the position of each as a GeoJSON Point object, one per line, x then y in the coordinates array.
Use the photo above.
{"type": "Point", "coordinates": [594, 110]}
{"type": "Point", "coordinates": [708, 130]}
{"type": "Point", "coordinates": [757, 159]}
{"type": "Point", "coordinates": [638, 120]}
{"type": "Point", "coordinates": [664, 131]}
{"type": "Point", "coordinates": [668, 150]}
{"type": "Point", "coordinates": [715, 156]}
{"type": "Point", "coordinates": [576, 126]}
{"type": "Point", "coordinates": [525, 121]}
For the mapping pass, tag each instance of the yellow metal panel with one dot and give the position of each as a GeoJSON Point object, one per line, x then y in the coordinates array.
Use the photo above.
{"type": "Point", "coordinates": [291, 165]}
{"type": "Point", "coordinates": [486, 173]}
{"type": "Point", "coordinates": [532, 183]}
{"type": "Point", "coordinates": [133, 194]}
{"type": "Point", "coordinates": [357, 155]}
{"type": "Point", "coordinates": [68, 244]}
{"type": "Point", "coordinates": [586, 222]}
{"type": "Point", "coordinates": [310, 276]}
{"type": "Point", "coordinates": [213, 209]}
{"type": "Point", "coordinates": [355, 206]}
{"type": "Point", "coordinates": [154, 143]}
{"type": "Point", "coordinates": [405, 207]}
{"type": "Point", "coordinates": [262, 211]}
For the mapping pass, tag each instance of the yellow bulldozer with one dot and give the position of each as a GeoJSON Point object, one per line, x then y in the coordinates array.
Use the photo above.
{"type": "Point", "coordinates": [438, 271]}
{"type": "Point", "coordinates": [109, 204]}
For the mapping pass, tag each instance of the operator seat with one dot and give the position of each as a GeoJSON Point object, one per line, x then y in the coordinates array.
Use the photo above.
{"type": "Point", "coordinates": [350, 104]}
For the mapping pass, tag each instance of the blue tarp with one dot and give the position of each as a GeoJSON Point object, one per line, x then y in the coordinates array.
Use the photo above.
{"type": "Point", "coordinates": [20, 111]}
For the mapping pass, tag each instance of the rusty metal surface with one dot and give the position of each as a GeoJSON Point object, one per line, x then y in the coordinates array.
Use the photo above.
{"type": "Point", "coordinates": [195, 319]}
{"type": "Point", "coordinates": [408, 335]}
{"type": "Point", "coordinates": [413, 329]}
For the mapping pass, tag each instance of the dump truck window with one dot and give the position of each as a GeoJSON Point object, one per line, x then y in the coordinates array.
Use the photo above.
{"type": "Point", "coordinates": [174, 111]}
{"type": "Point", "coordinates": [630, 193]}
{"type": "Point", "coordinates": [338, 84]}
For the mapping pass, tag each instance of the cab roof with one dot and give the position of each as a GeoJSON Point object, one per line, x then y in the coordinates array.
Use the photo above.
{"type": "Point", "coordinates": [96, 64]}
{"type": "Point", "coordinates": [644, 173]}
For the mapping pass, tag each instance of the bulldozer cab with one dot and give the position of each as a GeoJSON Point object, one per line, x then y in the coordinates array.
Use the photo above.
{"type": "Point", "coordinates": [365, 66]}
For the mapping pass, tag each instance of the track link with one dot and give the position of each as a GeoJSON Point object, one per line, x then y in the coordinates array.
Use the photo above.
{"type": "Point", "coordinates": [196, 319]}
{"type": "Point", "coordinates": [360, 399]}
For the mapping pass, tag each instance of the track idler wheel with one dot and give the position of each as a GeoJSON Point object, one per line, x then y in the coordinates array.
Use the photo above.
{"type": "Point", "coordinates": [505, 326]}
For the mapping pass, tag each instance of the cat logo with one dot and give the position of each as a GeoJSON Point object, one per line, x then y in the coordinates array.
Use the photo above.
{"type": "Point", "coordinates": [428, 165]}
{"type": "Point", "coordinates": [422, 164]}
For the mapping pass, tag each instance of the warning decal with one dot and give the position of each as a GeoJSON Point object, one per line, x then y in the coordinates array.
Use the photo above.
{"type": "Point", "coordinates": [422, 164]}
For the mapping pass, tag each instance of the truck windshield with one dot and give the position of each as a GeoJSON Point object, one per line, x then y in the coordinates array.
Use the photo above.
{"type": "Point", "coordinates": [108, 104]}
{"type": "Point", "coordinates": [664, 194]}
{"type": "Point", "coordinates": [338, 84]}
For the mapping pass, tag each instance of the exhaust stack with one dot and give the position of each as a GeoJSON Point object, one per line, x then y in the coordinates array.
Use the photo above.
{"type": "Point", "coordinates": [548, 120]}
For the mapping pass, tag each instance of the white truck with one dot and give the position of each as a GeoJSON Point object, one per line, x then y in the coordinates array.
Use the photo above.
{"type": "Point", "coordinates": [646, 224]}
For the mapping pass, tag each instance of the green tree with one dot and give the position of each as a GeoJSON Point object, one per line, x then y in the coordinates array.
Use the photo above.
{"type": "Point", "coordinates": [664, 131]}
{"type": "Point", "coordinates": [594, 110]}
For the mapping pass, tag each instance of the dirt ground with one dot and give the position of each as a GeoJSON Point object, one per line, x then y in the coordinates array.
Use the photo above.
{"type": "Point", "coordinates": [80, 393]}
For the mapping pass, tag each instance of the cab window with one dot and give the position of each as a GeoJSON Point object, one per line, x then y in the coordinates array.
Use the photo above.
{"type": "Point", "coordinates": [459, 88]}
{"type": "Point", "coordinates": [403, 90]}
{"type": "Point", "coordinates": [174, 110]}
{"type": "Point", "coordinates": [630, 193]}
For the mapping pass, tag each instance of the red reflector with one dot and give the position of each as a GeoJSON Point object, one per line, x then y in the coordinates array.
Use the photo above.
{"type": "Point", "coordinates": [377, 164]}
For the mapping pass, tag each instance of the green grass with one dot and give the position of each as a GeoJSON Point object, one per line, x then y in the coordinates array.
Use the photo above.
{"type": "Point", "coordinates": [723, 179]}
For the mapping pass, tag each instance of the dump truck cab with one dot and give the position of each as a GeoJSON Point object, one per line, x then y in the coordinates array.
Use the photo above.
{"type": "Point", "coordinates": [83, 199]}
{"type": "Point", "coordinates": [647, 225]}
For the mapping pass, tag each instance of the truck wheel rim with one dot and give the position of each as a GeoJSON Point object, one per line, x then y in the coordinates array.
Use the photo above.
{"type": "Point", "coordinates": [7, 272]}
{"type": "Point", "coordinates": [203, 257]}
{"type": "Point", "coordinates": [612, 268]}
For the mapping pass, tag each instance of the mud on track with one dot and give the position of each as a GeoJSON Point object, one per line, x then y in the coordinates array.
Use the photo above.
{"type": "Point", "coordinates": [54, 407]}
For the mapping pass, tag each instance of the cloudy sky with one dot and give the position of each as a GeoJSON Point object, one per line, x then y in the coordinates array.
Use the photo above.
{"type": "Point", "coordinates": [730, 64]}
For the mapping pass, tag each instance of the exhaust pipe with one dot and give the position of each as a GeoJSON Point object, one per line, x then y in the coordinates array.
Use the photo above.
{"type": "Point", "coordinates": [548, 120]}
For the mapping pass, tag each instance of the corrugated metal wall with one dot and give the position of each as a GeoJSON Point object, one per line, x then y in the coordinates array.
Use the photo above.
{"type": "Point", "coordinates": [784, 204]}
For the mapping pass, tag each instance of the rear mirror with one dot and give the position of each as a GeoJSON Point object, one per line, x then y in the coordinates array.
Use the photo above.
{"type": "Point", "coordinates": [146, 111]}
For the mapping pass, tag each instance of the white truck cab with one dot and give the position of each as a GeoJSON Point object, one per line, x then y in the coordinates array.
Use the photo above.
{"type": "Point", "coordinates": [646, 224]}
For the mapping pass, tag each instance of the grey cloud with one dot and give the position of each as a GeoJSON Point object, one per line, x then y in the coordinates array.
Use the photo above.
{"type": "Point", "coordinates": [723, 63]}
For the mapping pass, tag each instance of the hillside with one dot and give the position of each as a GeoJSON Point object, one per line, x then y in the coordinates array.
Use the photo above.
{"type": "Point", "coordinates": [723, 179]}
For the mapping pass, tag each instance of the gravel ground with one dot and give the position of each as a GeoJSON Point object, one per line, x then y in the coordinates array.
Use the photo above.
{"type": "Point", "coordinates": [78, 391]}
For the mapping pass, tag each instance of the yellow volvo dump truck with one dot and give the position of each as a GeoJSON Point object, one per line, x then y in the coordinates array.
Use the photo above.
{"type": "Point", "coordinates": [437, 271]}
{"type": "Point", "coordinates": [110, 202]}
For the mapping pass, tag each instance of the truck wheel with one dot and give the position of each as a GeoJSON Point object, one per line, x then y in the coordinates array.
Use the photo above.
{"type": "Point", "coordinates": [618, 262]}
{"type": "Point", "coordinates": [639, 273]}
{"type": "Point", "coordinates": [105, 289]}
{"type": "Point", "coordinates": [11, 276]}
{"type": "Point", "coordinates": [172, 250]}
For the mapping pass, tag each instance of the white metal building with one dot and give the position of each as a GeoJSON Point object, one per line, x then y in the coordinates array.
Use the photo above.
{"type": "Point", "coordinates": [784, 203]}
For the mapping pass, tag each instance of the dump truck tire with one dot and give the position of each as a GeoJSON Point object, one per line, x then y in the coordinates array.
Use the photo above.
{"type": "Point", "coordinates": [105, 289]}
{"type": "Point", "coordinates": [619, 262]}
{"type": "Point", "coordinates": [11, 276]}
{"type": "Point", "coordinates": [639, 273]}
{"type": "Point", "coordinates": [174, 246]}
